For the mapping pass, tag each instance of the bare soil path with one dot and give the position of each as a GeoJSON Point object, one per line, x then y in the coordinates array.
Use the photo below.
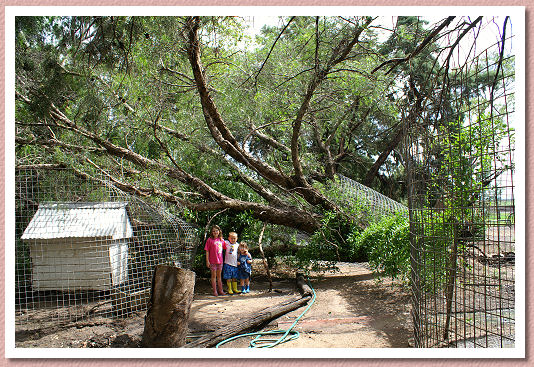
{"type": "Point", "coordinates": [352, 310]}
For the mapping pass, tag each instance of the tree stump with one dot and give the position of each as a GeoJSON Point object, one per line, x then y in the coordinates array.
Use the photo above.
{"type": "Point", "coordinates": [168, 311]}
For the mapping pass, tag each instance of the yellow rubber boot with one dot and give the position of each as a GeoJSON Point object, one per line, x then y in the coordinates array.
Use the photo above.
{"type": "Point", "coordinates": [234, 285]}
{"type": "Point", "coordinates": [229, 284]}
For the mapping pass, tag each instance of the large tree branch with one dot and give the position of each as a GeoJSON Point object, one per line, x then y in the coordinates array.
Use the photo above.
{"type": "Point", "coordinates": [218, 129]}
{"type": "Point", "coordinates": [225, 139]}
{"type": "Point", "coordinates": [325, 148]}
{"type": "Point", "coordinates": [287, 216]}
{"type": "Point", "coordinates": [398, 135]}
{"type": "Point", "coordinates": [418, 49]}
{"type": "Point", "coordinates": [373, 171]}
{"type": "Point", "coordinates": [339, 54]}
{"type": "Point", "coordinates": [249, 181]}
{"type": "Point", "coordinates": [283, 215]}
{"type": "Point", "coordinates": [55, 142]}
{"type": "Point", "coordinates": [325, 144]}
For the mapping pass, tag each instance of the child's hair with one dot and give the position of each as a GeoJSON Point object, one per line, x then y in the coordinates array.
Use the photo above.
{"type": "Point", "coordinates": [244, 245]}
{"type": "Point", "coordinates": [231, 233]}
{"type": "Point", "coordinates": [217, 228]}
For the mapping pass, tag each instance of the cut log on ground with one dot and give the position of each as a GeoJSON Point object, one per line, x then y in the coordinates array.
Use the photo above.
{"type": "Point", "coordinates": [303, 287]}
{"type": "Point", "coordinates": [262, 318]}
{"type": "Point", "coordinates": [168, 311]}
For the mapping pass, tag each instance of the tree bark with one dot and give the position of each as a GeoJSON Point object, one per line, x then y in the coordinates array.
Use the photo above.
{"type": "Point", "coordinates": [303, 287]}
{"type": "Point", "coordinates": [168, 312]}
{"type": "Point", "coordinates": [264, 260]}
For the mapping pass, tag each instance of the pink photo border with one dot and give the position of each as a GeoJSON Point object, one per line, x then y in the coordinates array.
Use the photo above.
{"type": "Point", "coordinates": [270, 359]}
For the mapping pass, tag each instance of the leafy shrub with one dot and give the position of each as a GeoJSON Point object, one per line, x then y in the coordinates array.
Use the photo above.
{"type": "Point", "coordinates": [386, 244]}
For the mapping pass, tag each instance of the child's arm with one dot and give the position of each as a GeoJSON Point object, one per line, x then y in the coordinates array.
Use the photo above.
{"type": "Point", "coordinates": [249, 260]}
{"type": "Point", "coordinates": [207, 258]}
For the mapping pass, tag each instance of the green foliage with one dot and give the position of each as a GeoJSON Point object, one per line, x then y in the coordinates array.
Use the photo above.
{"type": "Point", "coordinates": [386, 244]}
{"type": "Point", "coordinates": [199, 264]}
{"type": "Point", "coordinates": [329, 242]}
{"type": "Point", "coordinates": [464, 174]}
{"type": "Point", "coordinates": [326, 246]}
{"type": "Point", "coordinates": [436, 243]}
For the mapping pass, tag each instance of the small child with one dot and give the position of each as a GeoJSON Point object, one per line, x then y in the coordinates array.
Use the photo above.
{"type": "Point", "coordinates": [230, 272]}
{"type": "Point", "coordinates": [243, 264]}
{"type": "Point", "coordinates": [214, 259]}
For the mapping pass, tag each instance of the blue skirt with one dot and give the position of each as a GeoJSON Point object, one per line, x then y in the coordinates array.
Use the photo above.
{"type": "Point", "coordinates": [243, 274]}
{"type": "Point", "coordinates": [229, 272]}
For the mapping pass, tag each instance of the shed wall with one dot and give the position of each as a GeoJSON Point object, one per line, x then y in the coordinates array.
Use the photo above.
{"type": "Point", "coordinates": [78, 264]}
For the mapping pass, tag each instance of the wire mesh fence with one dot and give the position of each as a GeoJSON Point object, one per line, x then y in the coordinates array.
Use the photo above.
{"type": "Point", "coordinates": [85, 249]}
{"type": "Point", "coordinates": [363, 198]}
{"type": "Point", "coordinates": [462, 212]}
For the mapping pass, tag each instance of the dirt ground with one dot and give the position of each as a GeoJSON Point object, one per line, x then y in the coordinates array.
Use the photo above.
{"type": "Point", "coordinates": [352, 309]}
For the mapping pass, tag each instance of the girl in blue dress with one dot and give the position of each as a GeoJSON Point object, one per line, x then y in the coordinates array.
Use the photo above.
{"type": "Point", "coordinates": [244, 261]}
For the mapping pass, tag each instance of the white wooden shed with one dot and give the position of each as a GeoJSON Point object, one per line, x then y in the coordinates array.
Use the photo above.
{"type": "Point", "coordinates": [79, 246]}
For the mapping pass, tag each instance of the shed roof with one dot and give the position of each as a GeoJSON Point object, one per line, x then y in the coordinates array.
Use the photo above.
{"type": "Point", "coordinates": [67, 219]}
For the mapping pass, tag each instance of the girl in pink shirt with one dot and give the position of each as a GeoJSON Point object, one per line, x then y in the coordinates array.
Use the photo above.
{"type": "Point", "coordinates": [214, 258]}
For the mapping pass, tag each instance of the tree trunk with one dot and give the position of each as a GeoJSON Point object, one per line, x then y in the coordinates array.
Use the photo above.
{"type": "Point", "coordinates": [303, 287]}
{"type": "Point", "coordinates": [168, 311]}
{"type": "Point", "coordinates": [373, 171]}
{"type": "Point", "coordinates": [264, 260]}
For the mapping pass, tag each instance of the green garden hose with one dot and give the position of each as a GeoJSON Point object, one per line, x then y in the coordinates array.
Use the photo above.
{"type": "Point", "coordinates": [267, 339]}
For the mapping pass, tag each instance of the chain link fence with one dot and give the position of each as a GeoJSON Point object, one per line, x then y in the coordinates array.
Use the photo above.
{"type": "Point", "coordinates": [85, 249]}
{"type": "Point", "coordinates": [366, 199]}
